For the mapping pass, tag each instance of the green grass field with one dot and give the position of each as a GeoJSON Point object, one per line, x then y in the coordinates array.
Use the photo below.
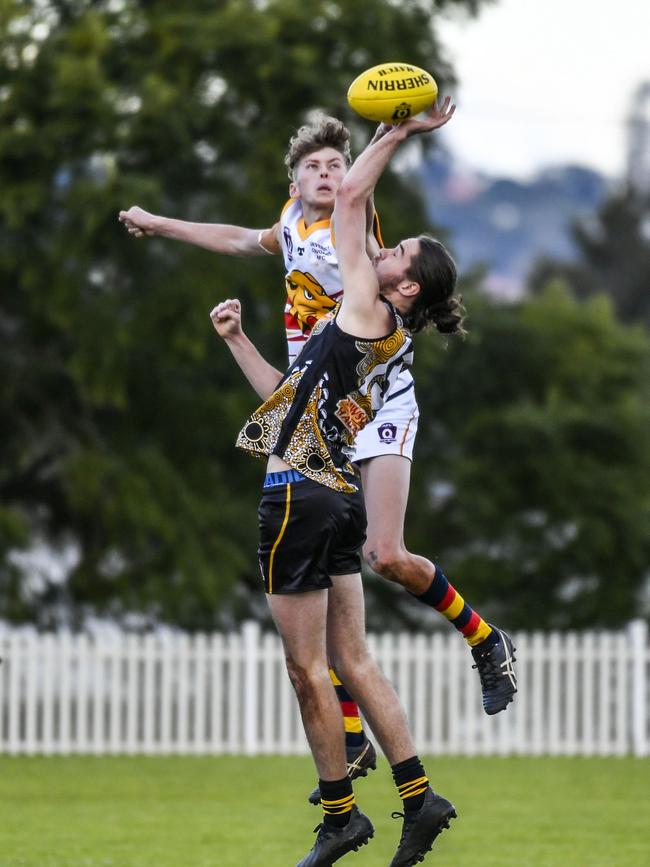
{"type": "Point", "coordinates": [236, 812]}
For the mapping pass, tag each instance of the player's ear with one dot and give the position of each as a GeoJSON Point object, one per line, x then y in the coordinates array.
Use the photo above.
{"type": "Point", "coordinates": [409, 288]}
{"type": "Point", "coordinates": [294, 192]}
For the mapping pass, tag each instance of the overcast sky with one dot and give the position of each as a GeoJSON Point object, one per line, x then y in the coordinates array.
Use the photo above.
{"type": "Point", "coordinates": [544, 82]}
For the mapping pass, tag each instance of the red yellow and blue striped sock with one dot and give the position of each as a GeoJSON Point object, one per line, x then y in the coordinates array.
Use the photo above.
{"type": "Point", "coordinates": [354, 734]}
{"type": "Point", "coordinates": [448, 601]}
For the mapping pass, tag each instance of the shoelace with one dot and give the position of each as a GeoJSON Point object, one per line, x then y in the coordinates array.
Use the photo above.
{"type": "Point", "coordinates": [396, 815]}
{"type": "Point", "coordinates": [323, 829]}
{"type": "Point", "coordinates": [327, 829]}
{"type": "Point", "coordinates": [488, 671]}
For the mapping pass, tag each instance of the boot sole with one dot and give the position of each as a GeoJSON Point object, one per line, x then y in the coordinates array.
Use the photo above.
{"type": "Point", "coordinates": [351, 846]}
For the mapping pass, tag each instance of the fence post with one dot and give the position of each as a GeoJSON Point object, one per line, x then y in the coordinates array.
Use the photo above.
{"type": "Point", "coordinates": [638, 635]}
{"type": "Point", "coordinates": [250, 642]}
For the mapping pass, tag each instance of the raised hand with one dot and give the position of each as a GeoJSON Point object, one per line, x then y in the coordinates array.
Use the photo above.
{"type": "Point", "coordinates": [434, 118]}
{"type": "Point", "coordinates": [226, 318]}
{"type": "Point", "coordinates": [138, 222]}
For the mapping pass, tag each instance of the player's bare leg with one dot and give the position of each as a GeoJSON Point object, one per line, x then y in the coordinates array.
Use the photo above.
{"type": "Point", "coordinates": [426, 814]}
{"type": "Point", "coordinates": [348, 651]}
{"type": "Point", "coordinates": [301, 621]}
{"type": "Point", "coordinates": [360, 752]}
{"type": "Point", "coordinates": [386, 481]}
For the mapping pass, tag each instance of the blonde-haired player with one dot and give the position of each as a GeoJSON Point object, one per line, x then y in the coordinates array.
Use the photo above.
{"type": "Point", "coordinates": [318, 159]}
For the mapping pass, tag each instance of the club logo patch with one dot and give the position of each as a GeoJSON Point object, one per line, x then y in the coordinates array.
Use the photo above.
{"type": "Point", "coordinates": [387, 432]}
{"type": "Point", "coordinates": [351, 414]}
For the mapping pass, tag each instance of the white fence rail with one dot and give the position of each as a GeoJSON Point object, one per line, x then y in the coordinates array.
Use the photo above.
{"type": "Point", "coordinates": [579, 694]}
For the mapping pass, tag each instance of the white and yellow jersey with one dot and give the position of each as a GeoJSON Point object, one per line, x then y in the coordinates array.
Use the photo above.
{"type": "Point", "coordinates": [313, 290]}
{"type": "Point", "coordinates": [313, 282]}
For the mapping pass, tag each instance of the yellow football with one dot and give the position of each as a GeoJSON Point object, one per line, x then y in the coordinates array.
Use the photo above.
{"type": "Point", "coordinates": [392, 92]}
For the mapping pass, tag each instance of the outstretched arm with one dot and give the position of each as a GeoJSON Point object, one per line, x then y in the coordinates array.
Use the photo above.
{"type": "Point", "coordinates": [359, 282]}
{"type": "Point", "coordinates": [373, 245]}
{"type": "Point", "coordinates": [360, 181]}
{"type": "Point", "coordinates": [226, 318]}
{"type": "Point", "coordinates": [217, 237]}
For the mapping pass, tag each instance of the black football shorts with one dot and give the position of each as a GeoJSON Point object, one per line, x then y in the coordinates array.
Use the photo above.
{"type": "Point", "coordinates": [307, 533]}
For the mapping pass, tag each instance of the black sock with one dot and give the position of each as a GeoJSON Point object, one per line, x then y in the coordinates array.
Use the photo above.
{"type": "Point", "coordinates": [411, 781]}
{"type": "Point", "coordinates": [337, 800]}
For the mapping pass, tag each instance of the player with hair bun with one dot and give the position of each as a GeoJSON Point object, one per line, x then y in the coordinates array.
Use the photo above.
{"type": "Point", "coordinates": [318, 159]}
{"type": "Point", "coordinates": [312, 516]}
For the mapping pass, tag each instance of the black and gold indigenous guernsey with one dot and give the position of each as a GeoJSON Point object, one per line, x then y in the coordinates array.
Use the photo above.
{"type": "Point", "coordinates": [330, 392]}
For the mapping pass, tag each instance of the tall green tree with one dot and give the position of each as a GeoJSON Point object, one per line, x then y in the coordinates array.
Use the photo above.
{"type": "Point", "coordinates": [613, 256]}
{"type": "Point", "coordinates": [118, 405]}
{"type": "Point", "coordinates": [533, 458]}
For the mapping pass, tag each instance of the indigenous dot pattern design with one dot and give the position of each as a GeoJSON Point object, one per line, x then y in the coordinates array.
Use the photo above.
{"type": "Point", "coordinates": [332, 390]}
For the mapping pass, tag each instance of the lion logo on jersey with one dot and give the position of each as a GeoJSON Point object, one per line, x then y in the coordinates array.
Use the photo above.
{"type": "Point", "coordinates": [307, 299]}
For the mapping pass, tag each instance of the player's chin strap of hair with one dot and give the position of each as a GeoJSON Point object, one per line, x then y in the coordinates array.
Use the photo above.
{"type": "Point", "coordinates": [260, 244]}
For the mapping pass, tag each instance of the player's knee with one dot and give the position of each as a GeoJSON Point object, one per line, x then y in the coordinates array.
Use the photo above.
{"type": "Point", "coordinates": [351, 657]}
{"type": "Point", "coordinates": [386, 560]}
{"type": "Point", "coordinates": [352, 667]}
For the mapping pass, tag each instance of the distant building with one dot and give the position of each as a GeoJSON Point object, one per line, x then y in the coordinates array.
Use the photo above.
{"type": "Point", "coordinates": [638, 140]}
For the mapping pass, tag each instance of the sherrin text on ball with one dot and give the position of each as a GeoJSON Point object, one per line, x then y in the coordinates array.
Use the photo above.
{"type": "Point", "coordinates": [392, 92]}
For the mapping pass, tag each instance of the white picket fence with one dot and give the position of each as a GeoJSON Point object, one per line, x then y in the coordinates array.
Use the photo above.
{"type": "Point", "coordinates": [579, 694]}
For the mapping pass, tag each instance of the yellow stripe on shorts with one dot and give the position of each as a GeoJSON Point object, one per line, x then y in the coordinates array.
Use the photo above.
{"type": "Point", "coordinates": [280, 535]}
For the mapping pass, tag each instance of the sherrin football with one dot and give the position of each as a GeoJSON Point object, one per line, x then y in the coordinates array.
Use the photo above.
{"type": "Point", "coordinates": [392, 92]}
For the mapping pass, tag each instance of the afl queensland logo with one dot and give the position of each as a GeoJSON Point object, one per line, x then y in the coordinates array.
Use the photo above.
{"type": "Point", "coordinates": [387, 432]}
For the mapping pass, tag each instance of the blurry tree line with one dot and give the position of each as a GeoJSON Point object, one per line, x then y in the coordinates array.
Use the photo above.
{"type": "Point", "coordinates": [613, 256]}
{"type": "Point", "coordinates": [119, 406]}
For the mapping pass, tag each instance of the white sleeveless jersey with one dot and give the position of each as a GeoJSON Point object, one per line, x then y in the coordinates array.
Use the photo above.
{"type": "Point", "coordinates": [312, 276]}
{"type": "Point", "coordinates": [314, 289]}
